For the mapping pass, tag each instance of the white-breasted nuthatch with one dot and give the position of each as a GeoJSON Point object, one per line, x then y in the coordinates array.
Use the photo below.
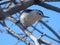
{"type": "Point", "coordinates": [29, 17]}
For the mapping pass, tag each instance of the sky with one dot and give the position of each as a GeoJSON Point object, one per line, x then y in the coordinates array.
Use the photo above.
{"type": "Point", "coordinates": [53, 22]}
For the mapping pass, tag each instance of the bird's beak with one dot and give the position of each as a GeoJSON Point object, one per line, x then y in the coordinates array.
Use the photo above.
{"type": "Point", "coordinates": [45, 16]}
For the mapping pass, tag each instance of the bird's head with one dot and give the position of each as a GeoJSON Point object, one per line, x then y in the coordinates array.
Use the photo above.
{"type": "Point", "coordinates": [41, 13]}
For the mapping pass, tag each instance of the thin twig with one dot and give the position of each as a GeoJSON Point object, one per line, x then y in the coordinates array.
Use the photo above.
{"type": "Point", "coordinates": [1, 3]}
{"type": "Point", "coordinates": [46, 35]}
{"type": "Point", "coordinates": [28, 33]}
{"type": "Point", "coordinates": [50, 29]}
{"type": "Point", "coordinates": [47, 6]}
{"type": "Point", "coordinates": [11, 32]}
{"type": "Point", "coordinates": [51, 0]}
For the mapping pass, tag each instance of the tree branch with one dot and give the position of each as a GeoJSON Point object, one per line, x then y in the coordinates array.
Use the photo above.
{"type": "Point", "coordinates": [3, 15]}
{"type": "Point", "coordinates": [51, 0]}
{"type": "Point", "coordinates": [48, 6]}
{"type": "Point", "coordinates": [16, 35]}
{"type": "Point", "coordinates": [46, 34]}
{"type": "Point", "coordinates": [19, 7]}
{"type": "Point", "coordinates": [28, 33]}
{"type": "Point", "coordinates": [1, 3]}
{"type": "Point", "coordinates": [16, 8]}
{"type": "Point", "coordinates": [45, 42]}
{"type": "Point", "coordinates": [50, 29]}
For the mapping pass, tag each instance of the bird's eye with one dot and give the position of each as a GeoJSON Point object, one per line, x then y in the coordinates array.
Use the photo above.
{"type": "Point", "coordinates": [40, 13]}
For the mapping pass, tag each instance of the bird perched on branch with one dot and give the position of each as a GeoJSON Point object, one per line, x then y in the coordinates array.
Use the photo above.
{"type": "Point", "coordinates": [29, 17]}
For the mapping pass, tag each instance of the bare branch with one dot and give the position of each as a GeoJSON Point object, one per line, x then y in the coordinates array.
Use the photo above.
{"type": "Point", "coordinates": [27, 32]}
{"type": "Point", "coordinates": [48, 6]}
{"type": "Point", "coordinates": [19, 7]}
{"type": "Point", "coordinates": [46, 35]}
{"type": "Point", "coordinates": [22, 28]}
{"type": "Point", "coordinates": [45, 42]}
{"type": "Point", "coordinates": [16, 35]}
{"type": "Point", "coordinates": [3, 14]}
{"type": "Point", "coordinates": [50, 29]}
{"type": "Point", "coordinates": [14, 1]}
{"type": "Point", "coordinates": [1, 3]}
{"type": "Point", "coordinates": [51, 0]}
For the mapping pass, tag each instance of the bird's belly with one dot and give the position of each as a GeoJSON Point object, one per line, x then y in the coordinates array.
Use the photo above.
{"type": "Point", "coordinates": [30, 20]}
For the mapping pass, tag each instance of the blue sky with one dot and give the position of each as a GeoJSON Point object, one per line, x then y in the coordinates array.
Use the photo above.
{"type": "Point", "coordinates": [53, 21]}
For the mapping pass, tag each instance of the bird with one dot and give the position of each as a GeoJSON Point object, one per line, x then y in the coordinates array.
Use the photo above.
{"type": "Point", "coordinates": [29, 17]}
